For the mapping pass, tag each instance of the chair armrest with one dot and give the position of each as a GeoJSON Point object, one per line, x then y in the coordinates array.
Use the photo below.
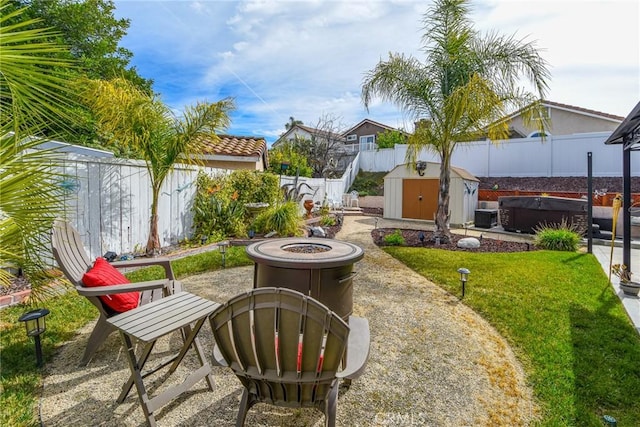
{"type": "Point", "coordinates": [147, 262]}
{"type": "Point", "coordinates": [119, 289]}
{"type": "Point", "coordinates": [217, 357]}
{"type": "Point", "coordinates": [357, 348]}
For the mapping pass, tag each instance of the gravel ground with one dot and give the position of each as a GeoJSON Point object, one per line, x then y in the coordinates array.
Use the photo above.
{"type": "Point", "coordinates": [433, 362]}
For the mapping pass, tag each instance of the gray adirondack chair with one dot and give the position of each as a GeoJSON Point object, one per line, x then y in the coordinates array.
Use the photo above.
{"type": "Point", "coordinates": [287, 349]}
{"type": "Point", "coordinates": [73, 260]}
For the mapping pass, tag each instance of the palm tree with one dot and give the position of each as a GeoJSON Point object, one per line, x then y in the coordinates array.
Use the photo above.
{"type": "Point", "coordinates": [292, 122]}
{"type": "Point", "coordinates": [131, 117]}
{"type": "Point", "coordinates": [466, 85]}
{"type": "Point", "coordinates": [34, 92]}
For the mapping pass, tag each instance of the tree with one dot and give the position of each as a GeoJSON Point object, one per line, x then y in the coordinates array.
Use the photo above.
{"type": "Point", "coordinates": [92, 34]}
{"type": "Point", "coordinates": [324, 149]}
{"type": "Point", "coordinates": [292, 122]}
{"type": "Point", "coordinates": [390, 137]}
{"type": "Point", "coordinates": [141, 121]}
{"type": "Point", "coordinates": [34, 92]}
{"type": "Point", "coordinates": [466, 85]}
{"type": "Point", "coordinates": [286, 153]}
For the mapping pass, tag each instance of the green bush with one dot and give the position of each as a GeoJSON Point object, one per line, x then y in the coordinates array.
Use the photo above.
{"type": "Point", "coordinates": [394, 239]}
{"type": "Point", "coordinates": [216, 219]}
{"type": "Point", "coordinates": [219, 206]}
{"type": "Point", "coordinates": [557, 237]}
{"type": "Point", "coordinates": [327, 221]}
{"type": "Point", "coordinates": [283, 218]}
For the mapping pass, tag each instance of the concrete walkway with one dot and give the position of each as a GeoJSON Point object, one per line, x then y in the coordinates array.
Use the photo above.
{"type": "Point", "coordinates": [630, 303]}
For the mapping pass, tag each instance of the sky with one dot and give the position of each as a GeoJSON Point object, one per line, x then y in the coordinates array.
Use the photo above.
{"type": "Point", "coordinates": [307, 59]}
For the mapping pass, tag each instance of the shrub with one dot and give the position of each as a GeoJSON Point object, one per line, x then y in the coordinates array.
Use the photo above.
{"type": "Point", "coordinates": [558, 237]}
{"type": "Point", "coordinates": [219, 206]}
{"type": "Point", "coordinates": [216, 219]}
{"type": "Point", "coordinates": [394, 239]}
{"type": "Point", "coordinates": [283, 218]}
{"type": "Point", "coordinates": [327, 221]}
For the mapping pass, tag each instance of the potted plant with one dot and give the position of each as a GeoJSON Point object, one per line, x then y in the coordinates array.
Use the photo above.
{"type": "Point", "coordinates": [628, 286]}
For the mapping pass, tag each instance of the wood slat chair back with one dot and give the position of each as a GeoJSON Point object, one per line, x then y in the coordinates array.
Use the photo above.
{"type": "Point", "coordinates": [285, 348]}
{"type": "Point", "coordinates": [74, 262]}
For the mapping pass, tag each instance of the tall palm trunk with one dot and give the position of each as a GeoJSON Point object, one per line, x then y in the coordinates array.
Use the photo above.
{"type": "Point", "coordinates": [442, 214]}
{"type": "Point", "coordinates": [153, 244]}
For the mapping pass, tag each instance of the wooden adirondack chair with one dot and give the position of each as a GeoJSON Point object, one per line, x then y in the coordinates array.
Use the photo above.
{"type": "Point", "coordinates": [287, 348]}
{"type": "Point", "coordinates": [74, 262]}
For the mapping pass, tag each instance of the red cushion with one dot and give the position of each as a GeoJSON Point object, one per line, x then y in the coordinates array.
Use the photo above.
{"type": "Point", "coordinates": [102, 274]}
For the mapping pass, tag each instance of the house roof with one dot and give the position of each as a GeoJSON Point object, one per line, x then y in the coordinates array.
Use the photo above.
{"type": "Point", "coordinates": [64, 147]}
{"type": "Point", "coordinates": [628, 133]}
{"type": "Point", "coordinates": [244, 148]}
{"type": "Point", "coordinates": [574, 109]}
{"type": "Point", "coordinates": [311, 131]}
{"type": "Point", "coordinates": [400, 171]}
{"type": "Point", "coordinates": [368, 121]}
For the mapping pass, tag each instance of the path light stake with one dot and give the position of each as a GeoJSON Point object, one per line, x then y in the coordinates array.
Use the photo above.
{"type": "Point", "coordinates": [609, 421]}
{"type": "Point", "coordinates": [35, 323]}
{"type": "Point", "coordinates": [222, 246]}
{"type": "Point", "coordinates": [464, 274]}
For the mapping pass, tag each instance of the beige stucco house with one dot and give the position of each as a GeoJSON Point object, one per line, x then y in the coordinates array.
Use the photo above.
{"type": "Point", "coordinates": [565, 120]}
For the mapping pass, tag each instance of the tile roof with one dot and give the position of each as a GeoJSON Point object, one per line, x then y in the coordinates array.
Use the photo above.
{"type": "Point", "coordinates": [230, 145]}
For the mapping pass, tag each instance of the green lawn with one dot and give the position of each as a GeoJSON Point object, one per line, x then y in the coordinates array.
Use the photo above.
{"type": "Point", "coordinates": [20, 380]}
{"type": "Point", "coordinates": [570, 331]}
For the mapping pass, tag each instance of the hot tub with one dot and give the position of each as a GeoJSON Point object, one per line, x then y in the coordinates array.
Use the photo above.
{"type": "Point", "coordinates": [320, 268]}
{"type": "Point", "coordinates": [525, 213]}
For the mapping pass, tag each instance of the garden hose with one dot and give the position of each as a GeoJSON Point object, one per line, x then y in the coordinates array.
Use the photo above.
{"type": "Point", "coordinates": [617, 204]}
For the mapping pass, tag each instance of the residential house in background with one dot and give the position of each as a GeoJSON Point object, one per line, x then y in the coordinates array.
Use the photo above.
{"type": "Point", "coordinates": [237, 152]}
{"type": "Point", "coordinates": [364, 136]}
{"type": "Point", "coordinates": [299, 131]}
{"type": "Point", "coordinates": [565, 120]}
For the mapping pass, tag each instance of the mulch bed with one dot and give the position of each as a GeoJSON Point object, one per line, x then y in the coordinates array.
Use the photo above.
{"type": "Point", "coordinates": [412, 239]}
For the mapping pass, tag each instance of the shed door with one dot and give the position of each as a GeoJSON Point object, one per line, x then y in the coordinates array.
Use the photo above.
{"type": "Point", "coordinates": [420, 198]}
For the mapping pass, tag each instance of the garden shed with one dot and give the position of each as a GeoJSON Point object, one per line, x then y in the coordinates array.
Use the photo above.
{"type": "Point", "coordinates": [411, 192]}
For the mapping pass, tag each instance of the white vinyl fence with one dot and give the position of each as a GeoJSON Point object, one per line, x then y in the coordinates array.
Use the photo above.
{"type": "Point", "coordinates": [556, 156]}
{"type": "Point", "coordinates": [109, 201]}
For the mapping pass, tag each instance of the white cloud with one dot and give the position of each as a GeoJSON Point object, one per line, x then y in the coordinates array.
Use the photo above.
{"type": "Point", "coordinates": [306, 58]}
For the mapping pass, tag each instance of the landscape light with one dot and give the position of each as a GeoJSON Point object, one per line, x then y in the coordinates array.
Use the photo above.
{"type": "Point", "coordinates": [36, 325]}
{"type": "Point", "coordinates": [222, 246]}
{"type": "Point", "coordinates": [464, 275]}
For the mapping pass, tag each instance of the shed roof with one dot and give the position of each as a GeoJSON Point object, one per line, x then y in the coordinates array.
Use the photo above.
{"type": "Point", "coordinates": [455, 171]}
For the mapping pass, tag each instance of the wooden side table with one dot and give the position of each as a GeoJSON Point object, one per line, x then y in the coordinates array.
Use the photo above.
{"type": "Point", "coordinates": [150, 322]}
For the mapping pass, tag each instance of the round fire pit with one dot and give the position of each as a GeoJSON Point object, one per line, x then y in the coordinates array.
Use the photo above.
{"type": "Point", "coordinates": [322, 269]}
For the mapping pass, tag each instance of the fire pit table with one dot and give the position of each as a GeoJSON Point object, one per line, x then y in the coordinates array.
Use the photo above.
{"type": "Point", "coordinates": [320, 268]}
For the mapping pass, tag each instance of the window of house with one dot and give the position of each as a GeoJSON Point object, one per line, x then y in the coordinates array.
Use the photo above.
{"type": "Point", "coordinates": [367, 143]}
{"type": "Point", "coordinates": [352, 137]}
